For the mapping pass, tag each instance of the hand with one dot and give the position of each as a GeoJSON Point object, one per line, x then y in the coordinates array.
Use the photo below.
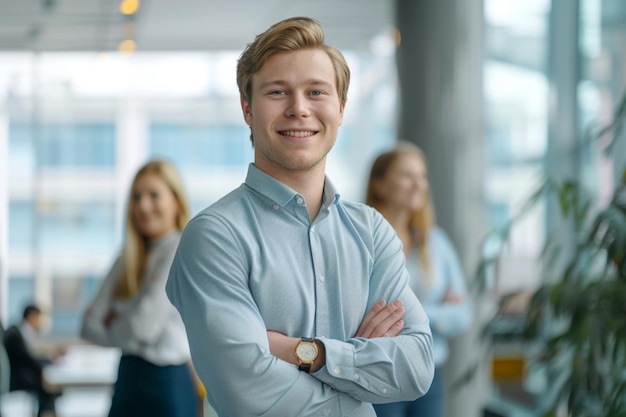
{"type": "Point", "coordinates": [110, 318]}
{"type": "Point", "coordinates": [59, 352]}
{"type": "Point", "coordinates": [450, 297]}
{"type": "Point", "coordinates": [382, 320]}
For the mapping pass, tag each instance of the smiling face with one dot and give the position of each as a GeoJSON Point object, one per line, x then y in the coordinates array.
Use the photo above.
{"type": "Point", "coordinates": [405, 185]}
{"type": "Point", "coordinates": [153, 206]}
{"type": "Point", "coordinates": [295, 112]}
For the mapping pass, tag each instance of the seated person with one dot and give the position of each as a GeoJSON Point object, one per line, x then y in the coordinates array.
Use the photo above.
{"type": "Point", "coordinates": [26, 365]}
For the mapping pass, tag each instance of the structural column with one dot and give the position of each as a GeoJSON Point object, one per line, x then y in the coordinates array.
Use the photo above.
{"type": "Point", "coordinates": [4, 215]}
{"type": "Point", "coordinates": [563, 156]}
{"type": "Point", "coordinates": [440, 60]}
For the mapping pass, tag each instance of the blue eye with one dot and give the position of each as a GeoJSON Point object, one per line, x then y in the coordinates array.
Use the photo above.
{"type": "Point", "coordinates": [316, 93]}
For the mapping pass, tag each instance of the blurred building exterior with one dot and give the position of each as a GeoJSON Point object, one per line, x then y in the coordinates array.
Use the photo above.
{"type": "Point", "coordinates": [496, 93]}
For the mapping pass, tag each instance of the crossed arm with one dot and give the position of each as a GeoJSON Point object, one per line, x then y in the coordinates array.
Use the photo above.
{"type": "Point", "coordinates": [381, 321]}
{"type": "Point", "coordinates": [248, 357]}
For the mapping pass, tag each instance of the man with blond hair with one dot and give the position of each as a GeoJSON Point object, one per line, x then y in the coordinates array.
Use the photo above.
{"type": "Point", "coordinates": [295, 302]}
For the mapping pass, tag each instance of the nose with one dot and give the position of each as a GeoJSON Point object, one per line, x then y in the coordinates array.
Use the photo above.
{"type": "Point", "coordinates": [142, 203]}
{"type": "Point", "coordinates": [422, 183]}
{"type": "Point", "coordinates": [417, 182]}
{"type": "Point", "coordinates": [298, 106]}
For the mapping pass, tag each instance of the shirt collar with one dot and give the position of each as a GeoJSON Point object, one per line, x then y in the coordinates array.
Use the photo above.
{"type": "Point", "coordinates": [28, 332]}
{"type": "Point", "coordinates": [281, 194]}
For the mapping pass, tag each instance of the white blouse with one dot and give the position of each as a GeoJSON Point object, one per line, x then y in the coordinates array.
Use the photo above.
{"type": "Point", "coordinates": [148, 325]}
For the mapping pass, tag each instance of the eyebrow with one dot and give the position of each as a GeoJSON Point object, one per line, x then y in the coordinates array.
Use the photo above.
{"type": "Point", "coordinates": [311, 81]}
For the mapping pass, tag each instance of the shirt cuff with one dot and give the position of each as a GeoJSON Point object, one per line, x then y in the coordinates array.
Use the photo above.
{"type": "Point", "coordinates": [341, 371]}
{"type": "Point", "coordinates": [340, 361]}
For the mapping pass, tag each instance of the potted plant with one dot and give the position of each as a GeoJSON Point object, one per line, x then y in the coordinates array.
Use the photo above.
{"type": "Point", "coordinates": [575, 322]}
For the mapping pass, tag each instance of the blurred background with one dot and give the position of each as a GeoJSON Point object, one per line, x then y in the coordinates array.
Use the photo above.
{"type": "Point", "coordinates": [496, 92]}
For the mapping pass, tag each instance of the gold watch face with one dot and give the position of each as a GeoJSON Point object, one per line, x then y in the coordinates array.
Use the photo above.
{"type": "Point", "coordinates": [306, 351]}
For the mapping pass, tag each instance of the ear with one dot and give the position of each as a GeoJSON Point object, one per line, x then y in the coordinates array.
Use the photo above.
{"type": "Point", "coordinates": [342, 107]}
{"type": "Point", "coordinates": [247, 111]}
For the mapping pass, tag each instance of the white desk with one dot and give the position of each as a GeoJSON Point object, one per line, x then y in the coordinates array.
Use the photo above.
{"type": "Point", "coordinates": [83, 366]}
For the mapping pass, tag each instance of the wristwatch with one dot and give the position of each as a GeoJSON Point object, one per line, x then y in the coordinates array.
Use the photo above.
{"type": "Point", "coordinates": [306, 352]}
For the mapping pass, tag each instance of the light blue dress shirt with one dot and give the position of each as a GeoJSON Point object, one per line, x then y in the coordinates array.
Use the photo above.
{"type": "Point", "coordinates": [254, 261]}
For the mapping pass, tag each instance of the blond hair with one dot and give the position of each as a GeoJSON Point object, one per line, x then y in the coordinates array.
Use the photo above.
{"type": "Point", "coordinates": [135, 250]}
{"type": "Point", "coordinates": [289, 35]}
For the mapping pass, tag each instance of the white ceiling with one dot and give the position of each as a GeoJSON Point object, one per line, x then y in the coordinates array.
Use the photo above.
{"type": "Point", "coordinates": [162, 25]}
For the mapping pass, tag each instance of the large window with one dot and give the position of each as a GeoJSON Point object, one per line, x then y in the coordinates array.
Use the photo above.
{"type": "Point", "coordinates": [602, 86]}
{"type": "Point", "coordinates": [527, 134]}
{"type": "Point", "coordinates": [201, 145]}
{"type": "Point", "coordinates": [516, 125]}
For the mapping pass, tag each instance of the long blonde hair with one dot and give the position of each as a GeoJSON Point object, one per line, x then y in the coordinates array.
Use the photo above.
{"type": "Point", "coordinates": [421, 221]}
{"type": "Point", "coordinates": [135, 250]}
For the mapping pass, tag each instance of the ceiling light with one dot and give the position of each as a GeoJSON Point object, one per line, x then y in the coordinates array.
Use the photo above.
{"type": "Point", "coordinates": [127, 46]}
{"type": "Point", "coordinates": [129, 7]}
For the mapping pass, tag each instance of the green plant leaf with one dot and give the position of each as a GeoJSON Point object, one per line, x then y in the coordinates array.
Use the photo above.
{"type": "Point", "coordinates": [576, 318]}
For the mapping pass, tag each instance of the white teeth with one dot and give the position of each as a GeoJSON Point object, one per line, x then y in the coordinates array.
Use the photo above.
{"type": "Point", "coordinates": [297, 133]}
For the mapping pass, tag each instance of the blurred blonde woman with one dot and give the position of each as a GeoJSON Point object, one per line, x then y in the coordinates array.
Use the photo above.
{"type": "Point", "coordinates": [398, 188]}
{"type": "Point", "coordinates": [131, 310]}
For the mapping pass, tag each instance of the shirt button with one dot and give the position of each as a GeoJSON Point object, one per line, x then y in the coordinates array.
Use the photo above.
{"type": "Point", "coordinates": [356, 377]}
{"type": "Point", "coordinates": [337, 371]}
{"type": "Point", "coordinates": [322, 278]}
{"type": "Point", "coordinates": [300, 200]}
{"type": "Point", "coordinates": [275, 206]}
{"type": "Point", "coordinates": [326, 412]}
{"type": "Point", "coordinates": [312, 229]}
{"type": "Point", "coordinates": [384, 390]}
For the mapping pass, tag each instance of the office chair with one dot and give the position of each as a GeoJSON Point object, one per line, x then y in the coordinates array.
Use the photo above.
{"type": "Point", "coordinates": [27, 400]}
{"type": "Point", "coordinates": [5, 376]}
